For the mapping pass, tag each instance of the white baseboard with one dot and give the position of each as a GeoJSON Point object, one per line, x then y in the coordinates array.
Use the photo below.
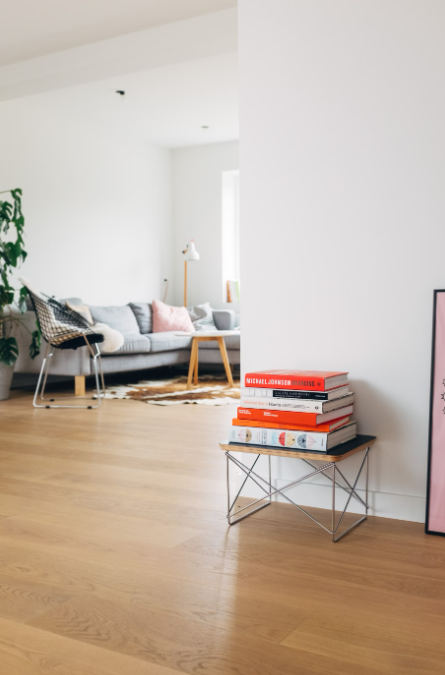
{"type": "Point", "coordinates": [383, 504]}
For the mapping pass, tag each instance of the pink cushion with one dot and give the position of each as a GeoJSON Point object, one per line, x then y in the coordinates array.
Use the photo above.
{"type": "Point", "coordinates": [167, 318]}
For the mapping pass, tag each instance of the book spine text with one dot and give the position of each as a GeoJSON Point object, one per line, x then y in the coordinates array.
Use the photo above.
{"type": "Point", "coordinates": [285, 393]}
{"type": "Point", "coordinates": [281, 438]}
{"type": "Point", "coordinates": [268, 403]}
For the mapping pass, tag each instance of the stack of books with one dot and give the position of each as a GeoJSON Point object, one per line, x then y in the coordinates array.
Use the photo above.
{"type": "Point", "coordinates": [295, 410]}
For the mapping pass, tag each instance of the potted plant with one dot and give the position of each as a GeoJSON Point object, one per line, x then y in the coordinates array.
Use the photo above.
{"type": "Point", "coordinates": [12, 254]}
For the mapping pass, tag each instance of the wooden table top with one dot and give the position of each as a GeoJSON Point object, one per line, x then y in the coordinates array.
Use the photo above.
{"type": "Point", "coordinates": [336, 454]}
{"type": "Point", "coordinates": [211, 334]}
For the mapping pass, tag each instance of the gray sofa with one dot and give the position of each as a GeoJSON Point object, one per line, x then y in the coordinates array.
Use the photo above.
{"type": "Point", "coordinates": [142, 348]}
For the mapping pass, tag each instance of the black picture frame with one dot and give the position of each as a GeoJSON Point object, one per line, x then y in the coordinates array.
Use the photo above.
{"type": "Point", "coordinates": [430, 425]}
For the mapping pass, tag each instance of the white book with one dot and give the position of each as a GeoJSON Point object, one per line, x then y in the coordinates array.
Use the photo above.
{"type": "Point", "coordinates": [295, 404]}
{"type": "Point", "coordinates": [296, 393]}
{"type": "Point", "coordinates": [292, 440]}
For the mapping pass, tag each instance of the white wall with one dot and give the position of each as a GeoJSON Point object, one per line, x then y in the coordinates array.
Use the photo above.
{"type": "Point", "coordinates": [97, 207]}
{"type": "Point", "coordinates": [197, 213]}
{"type": "Point", "coordinates": [343, 209]}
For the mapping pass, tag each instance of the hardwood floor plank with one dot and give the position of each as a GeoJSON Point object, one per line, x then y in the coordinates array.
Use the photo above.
{"type": "Point", "coordinates": [77, 471]}
{"type": "Point", "coordinates": [402, 646]}
{"type": "Point", "coordinates": [21, 600]}
{"type": "Point", "coordinates": [28, 651]}
{"type": "Point", "coordinates": [213, 603]}
{"type": "Point", "coordinates": [188, 646]}
{"type": "Point", "coordinates": [40, 498]}
{"type": "Point", "coordinates": [131, 539]}
{"type": "Point", "coordinates": [289, 556]}
{"type": "Point", "coordinates": [115, 557]}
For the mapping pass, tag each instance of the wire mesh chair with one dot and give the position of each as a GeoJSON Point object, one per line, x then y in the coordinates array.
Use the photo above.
{"type": "Point", "coordinates": [63, 328]}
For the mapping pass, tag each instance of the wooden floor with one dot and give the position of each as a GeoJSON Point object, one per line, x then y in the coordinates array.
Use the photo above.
{"type": "Point", "coordinates": [116, 559]}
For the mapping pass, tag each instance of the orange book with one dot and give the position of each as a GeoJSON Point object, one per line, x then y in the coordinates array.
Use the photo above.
{"type": "Point", "coordinates": [286, 417]}
{"type": "Point", "coordinates": [327, 426]}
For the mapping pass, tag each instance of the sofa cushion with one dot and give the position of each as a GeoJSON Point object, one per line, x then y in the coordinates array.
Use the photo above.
{"type": "Point", "coordinates": [232, 342]}
{"type": "Point", "coordinates": [225, 319]}
{"type": "Point", "coordinates": [134, 343]}
{"type": "Point", "coordinates": [164, 342]}
{"type": "Point", "coordinates": [167, 318]}
{"type": "Point", "coordinates": [119, 318]}
{"type": "Point", "coordinates": [202, 316]}
{"type": "Point", "coordinates": [144, 316]}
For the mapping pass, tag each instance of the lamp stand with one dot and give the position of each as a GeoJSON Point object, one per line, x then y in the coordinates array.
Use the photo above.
{"type": "Point", "coordinates": [185, 283]}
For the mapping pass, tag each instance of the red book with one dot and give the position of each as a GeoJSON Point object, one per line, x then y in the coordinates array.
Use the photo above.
{"type": "Point", "coordinates": [327, 426]}
{"type": "Point", "coordinates": [309, 380]}
{"type": "Point", "coordinates": [283, 417]}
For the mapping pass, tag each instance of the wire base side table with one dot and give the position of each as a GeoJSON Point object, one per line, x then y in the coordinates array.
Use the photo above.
{"type": "Point", "coordinates": [327, 467]}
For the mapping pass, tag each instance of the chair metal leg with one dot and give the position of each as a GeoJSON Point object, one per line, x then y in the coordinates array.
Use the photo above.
{"type": "Point", "coordinates": [96, 356]}
{"type": "Point", "coordinates": [101, 372]}
{"type": "Point", "coordinates": [44, 375]}
{"type": "Point", "coordinates": [96, 375]}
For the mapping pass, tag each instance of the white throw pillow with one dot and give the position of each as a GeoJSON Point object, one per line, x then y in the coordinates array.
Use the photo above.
{"type": "Point", "coordinates": [113, 340]}
{"type": "Point", "coordinates": [202, 317]}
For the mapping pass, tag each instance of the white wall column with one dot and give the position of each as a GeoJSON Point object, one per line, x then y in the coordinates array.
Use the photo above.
{"type": "Point", "coordinates": [343, 211]}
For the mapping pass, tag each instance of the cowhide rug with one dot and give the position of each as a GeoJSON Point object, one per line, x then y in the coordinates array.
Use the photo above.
{"type": "Point", "coordinates": [210, 390]}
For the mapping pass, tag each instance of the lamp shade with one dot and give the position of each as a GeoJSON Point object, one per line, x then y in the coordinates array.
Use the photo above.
{"type": "Point", "coordinates": [191, 253]}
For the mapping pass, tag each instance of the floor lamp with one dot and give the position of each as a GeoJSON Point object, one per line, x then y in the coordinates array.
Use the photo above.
{"type": "Point", "coordinates": [191, 255]}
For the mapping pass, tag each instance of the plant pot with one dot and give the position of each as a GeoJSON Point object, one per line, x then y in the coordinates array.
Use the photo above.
{"type": "Point", "coordinates": [6, 373]}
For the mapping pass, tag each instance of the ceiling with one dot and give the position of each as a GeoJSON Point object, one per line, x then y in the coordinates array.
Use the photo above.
{"type": "Point", "coordinates": [167, 106]}
{"type": "Point", "coordinates": [32, 29]}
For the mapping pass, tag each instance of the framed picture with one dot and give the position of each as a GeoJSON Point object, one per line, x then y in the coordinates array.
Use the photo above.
{"type": "Point", "coordinates": [435, 491]}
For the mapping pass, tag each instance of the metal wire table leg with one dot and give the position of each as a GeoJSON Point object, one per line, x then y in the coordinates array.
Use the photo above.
{"type": "Point", "coordinates": [270, 490]}
{"type": "Point", "coordinates": [231, 505]}
{"type": "Point", "coordinates": [360, 520]}
{"type": "Point", "coordinates": [244, 482]}
{"type": "Point", "coordinates": [367, 478]}
{"type": "Point", "coordinates": [253, 476]}
{"type": "Point", "coordinates": [228, 487]}
{"type": "Point", "coordinates": [339, 485]}
{"type": "Point", "coordinates": [333, 504]}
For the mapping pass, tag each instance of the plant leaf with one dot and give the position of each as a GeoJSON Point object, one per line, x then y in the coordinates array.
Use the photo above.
{"type": "Point", "coordinates": [36, 341]}
{"type": "Point", "coordinates": [9, 254]}
{"type": "Point", "coordinates": [6, 296]}
{"type": "Point", "coordinates": [9, 350]}
{"type": "Point", "coordinates": [22, 299]}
